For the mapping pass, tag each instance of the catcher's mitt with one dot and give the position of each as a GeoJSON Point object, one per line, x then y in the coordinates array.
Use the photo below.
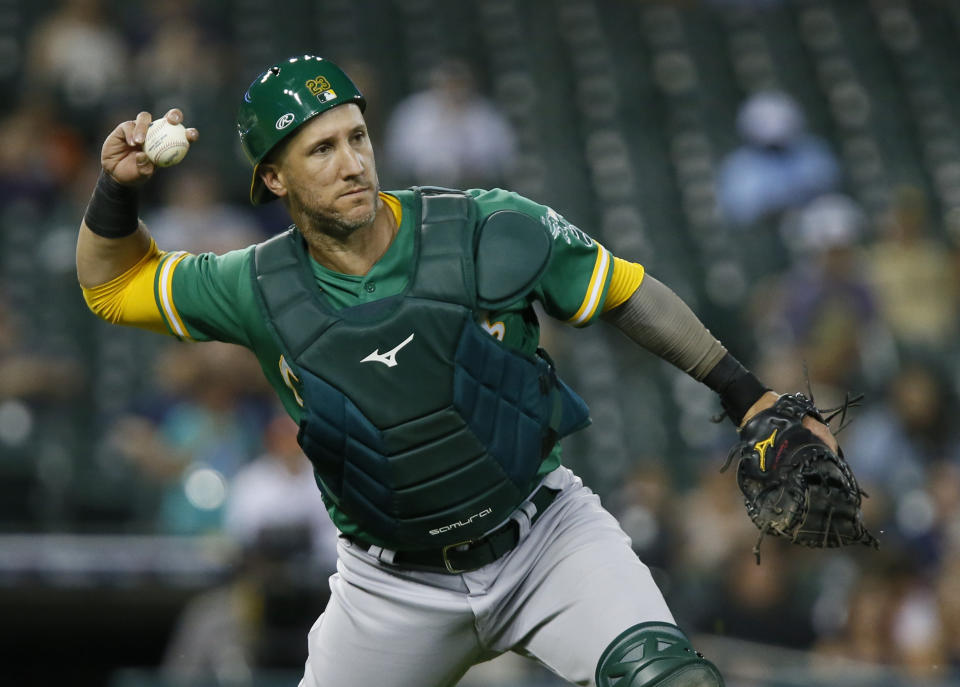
{"type": "Point", "coordinates": [795, 485]}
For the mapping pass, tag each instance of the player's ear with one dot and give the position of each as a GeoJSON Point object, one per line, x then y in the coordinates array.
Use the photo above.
{"type": "Point", "coordinates": [272, 179]}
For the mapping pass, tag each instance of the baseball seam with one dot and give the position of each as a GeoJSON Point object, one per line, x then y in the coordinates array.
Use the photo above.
{"type": "Point", "coordinates": [165, 147]}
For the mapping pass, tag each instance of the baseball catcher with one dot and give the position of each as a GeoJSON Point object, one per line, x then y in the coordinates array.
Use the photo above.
{"type": "Point", "coordinates": [795, 485]}
{"type": "Point", "coordinates": [399, 331]}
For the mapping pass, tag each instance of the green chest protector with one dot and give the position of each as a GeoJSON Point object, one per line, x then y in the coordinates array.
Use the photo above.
{"type": "Point", "coordinates": [422, 427]}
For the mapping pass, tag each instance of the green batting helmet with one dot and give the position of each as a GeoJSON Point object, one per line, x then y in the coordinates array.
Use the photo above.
{"type": "Point", "coordinates": [281, 100]}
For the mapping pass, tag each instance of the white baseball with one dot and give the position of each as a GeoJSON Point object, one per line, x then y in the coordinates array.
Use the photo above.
{"type": "Point", "coordinates": [166, 144]}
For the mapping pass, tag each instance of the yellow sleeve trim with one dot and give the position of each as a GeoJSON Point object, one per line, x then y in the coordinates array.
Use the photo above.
{"type": "Point", "coordinates": [165, 294]}
{"type": "Point", "coordinates": [128, 299]}
{"type": "Point", "coordinates": [626, 279]}
{"type": "Point", "coordinates": [594, 290]}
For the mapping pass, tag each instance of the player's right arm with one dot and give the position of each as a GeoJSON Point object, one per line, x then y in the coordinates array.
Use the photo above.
{"type": "Point", "coordinates": [118, 240]}
{"type": "Point", "coordinates": [127, 280]}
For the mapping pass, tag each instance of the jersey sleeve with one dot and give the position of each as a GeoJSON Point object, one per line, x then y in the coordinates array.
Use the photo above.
{"type": "Point", "coordinates": [193, 297]}
{"type": "Point", "coordinates": [206, 297]}
{"type": "Point", "coordinates": [577, 282]}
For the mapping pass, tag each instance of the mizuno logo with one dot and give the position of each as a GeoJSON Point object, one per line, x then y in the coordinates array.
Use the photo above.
{"type": "Point", "coordinates": [761, 448]}
{"type": "Point", "coordinates": [390, 357]}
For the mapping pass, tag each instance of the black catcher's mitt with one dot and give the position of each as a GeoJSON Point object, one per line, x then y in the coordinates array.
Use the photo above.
{"type": "Point", "coordinates": [795, 485]}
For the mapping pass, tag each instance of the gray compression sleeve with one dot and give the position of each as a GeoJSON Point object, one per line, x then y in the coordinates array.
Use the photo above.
{"type": "Point", "coordinates": [657, 319]}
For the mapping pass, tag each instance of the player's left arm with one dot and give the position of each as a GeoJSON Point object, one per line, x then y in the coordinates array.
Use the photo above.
{"type": "Point", "coordinates": [584, 282]}
{"type": "Point", "coordinates": [583, 278]}
{"type": "Point", "coordinates": [659, 320]}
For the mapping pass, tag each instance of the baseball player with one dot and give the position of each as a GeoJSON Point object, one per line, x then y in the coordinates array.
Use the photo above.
{"type": "Point", "coordinates": [398, 330]}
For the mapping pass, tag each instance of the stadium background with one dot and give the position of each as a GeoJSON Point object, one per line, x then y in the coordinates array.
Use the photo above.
{"type": "Point", "coordinates": [118, 449]}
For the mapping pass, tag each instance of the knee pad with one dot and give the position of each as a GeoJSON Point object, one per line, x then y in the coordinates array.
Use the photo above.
{"type": "Point", "coordinates": [655, 655]}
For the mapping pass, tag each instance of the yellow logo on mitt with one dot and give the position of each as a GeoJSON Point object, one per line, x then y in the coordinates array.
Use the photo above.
{"type": "Point", "coordinates": [761, 448]}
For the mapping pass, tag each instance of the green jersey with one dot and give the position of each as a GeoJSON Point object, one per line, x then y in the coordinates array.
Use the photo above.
{"type": "Point", "coordinates": [211, 297]}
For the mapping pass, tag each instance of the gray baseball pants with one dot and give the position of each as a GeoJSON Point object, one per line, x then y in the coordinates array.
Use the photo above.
{"type": "Point", "coordinates": [571, 585]}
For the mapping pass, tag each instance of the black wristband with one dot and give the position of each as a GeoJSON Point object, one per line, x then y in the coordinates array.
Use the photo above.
{"type": "Point", "coordinates": [113, 209]}
{"type": "Point", "coordinates": [737, 386]}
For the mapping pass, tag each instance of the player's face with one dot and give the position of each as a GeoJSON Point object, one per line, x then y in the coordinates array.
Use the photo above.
{"type": "Point", "coordinates": [328, 174]}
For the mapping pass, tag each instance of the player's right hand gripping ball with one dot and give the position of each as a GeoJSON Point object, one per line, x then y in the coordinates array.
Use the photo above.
{"type": "Point", "coordinates": [795, 486]}
{"type": "Point", "coordinates": [166, 144]}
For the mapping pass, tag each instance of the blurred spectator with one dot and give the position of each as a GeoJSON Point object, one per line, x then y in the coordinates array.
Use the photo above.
{"type": "Point", "coordinates": [448, 133]}
{"type": "Point", "coordinates": [28, 374]}
{"type": "Point", "coordinates": [40, 153]}
{"type": "Point", "coordinates": [927, 518]}
{"type": "Point", "coordinates": [213, 640]}
{"type": "Point", "coordinates": [79, 54]}
{"type": "Point", "coordinates": [709, 518]}
{"type": "Point", "coordinates": [194, 217]}
{"type": "Point", "coordinates": [255, 621]}
{"type": "Point", "coordinates": [823, 305]}
{"type": "Point", "coordinates": [948, 602]}
{"type": "Point", "coordinates": [917, 633]}
{"type": "Point", "coordinates": [944, 489]}
{"type": "Point", "coordinates": [892, 443]}
{"type": "Point", "coordinates": [778, 166]}
{"type": "Point", "coordinates": [763, 603]}
{"type": "Point", "coordinates": [278, 489]}
{"type": "Point", "coordinates": [287, 549]}
{"type": "Point", "coordinates": [642, 506]}
{"type": "Point", "coordinates": [367, 77]}
{"type": "Point", "coordinates": [41, 397]}
{"type": "Point", "coordinates": [866, 634]}
{"type": "Point", "coordinates": [713, 519]}
{"type": "Point", "coordinates": [914, 276]}
{"type": "Point", "coordinates": [179, 60]}
{"type": "Point", "coordinates": [206, 431]}
{"type": "Point", "coordinates": [832, 219]}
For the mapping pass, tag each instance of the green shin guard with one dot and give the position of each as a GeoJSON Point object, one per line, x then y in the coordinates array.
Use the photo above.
{"type": "Point", "coordinates": [655, 655]}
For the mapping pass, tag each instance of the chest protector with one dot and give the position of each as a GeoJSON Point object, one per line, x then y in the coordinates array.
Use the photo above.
{"type": "Point", "coordinates": [421, 427]}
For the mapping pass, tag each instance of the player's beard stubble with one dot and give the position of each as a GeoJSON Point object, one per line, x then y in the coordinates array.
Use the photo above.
{"type": "Point", "coordinates": [317, 222]}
